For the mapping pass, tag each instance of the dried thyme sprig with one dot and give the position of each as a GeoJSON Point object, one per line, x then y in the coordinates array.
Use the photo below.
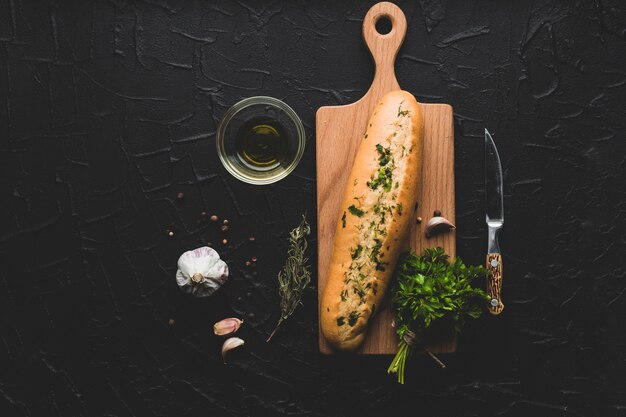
{"type": "Point", "coordinates": [295, 275]}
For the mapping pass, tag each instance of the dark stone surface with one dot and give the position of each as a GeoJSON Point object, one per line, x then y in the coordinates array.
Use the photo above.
{"type": "Point", "coordinates": [108, 110]}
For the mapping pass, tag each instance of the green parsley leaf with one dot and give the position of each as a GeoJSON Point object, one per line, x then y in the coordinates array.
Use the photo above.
{"type": "Point", "coordinates": [383, 178]}
{"type": "Point", "coordinates": [355, 211]}
{"type": "Point", "coordinates": [352, 319]}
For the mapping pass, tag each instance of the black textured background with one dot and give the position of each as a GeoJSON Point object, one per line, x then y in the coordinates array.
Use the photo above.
{"type": "Point", "coordinates": [108, 109]}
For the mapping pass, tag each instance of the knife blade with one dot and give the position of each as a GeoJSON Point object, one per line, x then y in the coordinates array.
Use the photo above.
{"type": "Point", "coordinates": [494, 216]}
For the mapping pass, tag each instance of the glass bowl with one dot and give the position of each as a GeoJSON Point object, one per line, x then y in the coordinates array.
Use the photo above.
{"type": "Point", "coordinates": [260, 140]}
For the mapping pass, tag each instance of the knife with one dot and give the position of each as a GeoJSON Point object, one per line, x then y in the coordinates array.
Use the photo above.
{"type": "Point", "coordinates": [494, 216]}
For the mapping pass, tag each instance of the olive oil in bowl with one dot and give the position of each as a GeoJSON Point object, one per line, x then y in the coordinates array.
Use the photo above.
{"type": "Point", "coordinates": [262, 144]}
{"type": "Point", "coordinates": [260, 140]}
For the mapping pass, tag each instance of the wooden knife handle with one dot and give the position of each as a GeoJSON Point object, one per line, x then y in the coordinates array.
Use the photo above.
{"type": "Point", "coordinates": [494, 283]}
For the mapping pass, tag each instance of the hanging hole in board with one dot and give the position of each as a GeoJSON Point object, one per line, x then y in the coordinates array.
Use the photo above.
{"type": "Point", "coordinates": [383, 25]}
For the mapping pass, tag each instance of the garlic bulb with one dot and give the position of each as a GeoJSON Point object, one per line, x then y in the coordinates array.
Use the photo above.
{"type": "Point", "coordinates": [201, 272]}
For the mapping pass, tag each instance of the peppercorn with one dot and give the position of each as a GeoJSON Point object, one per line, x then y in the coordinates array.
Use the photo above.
{"type": "Point", "coordinates": [248, 263]}
{"type": "Point", "coordinates": [170, 233]}
{"type": "Point", "coordinates": [224, 229]}
{"type": "Point", "coordinates": [251, 315]}
{"type": "Point", "coordinates": [224, 242]}
{"type": "Point", "coordinates": [249, 294]}
{"type": "Point", "coordinates": [437, 213]}
{"type": "Point", "coordinates": [252, 239]}
{"type": "Point", "coordinates": [418, 220]}
{"type": "Point", "coordinates": [214, 218]}
{"type": "Point", "coordinates": [171, 322]}
{"type": "Point", "coordinates": [253, 259]}
{"type": "Point", "coordinates": [180, 196]}
{"type": "Point", "coordinates": [225, 221]}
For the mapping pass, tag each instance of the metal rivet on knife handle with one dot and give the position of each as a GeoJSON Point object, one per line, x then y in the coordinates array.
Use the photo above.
{"type": "Point", "coordinates": [494, 282]}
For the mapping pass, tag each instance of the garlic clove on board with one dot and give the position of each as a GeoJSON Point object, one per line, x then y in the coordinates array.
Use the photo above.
{"type": "Point", "coordinates": [227, 326]}
{"type": "Point", "coordinates": [437, 225]}
{"type": "Point", "coordinates": [201, 272]}
{"type": "Point", "coordinates": [230, 344]}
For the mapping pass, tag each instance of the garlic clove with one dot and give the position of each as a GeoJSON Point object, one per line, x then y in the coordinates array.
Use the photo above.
{"type": "Point", "coordinates": [437, 225]}
{"type": "Point", "coordinates": [230, 344]}
{"type": "Point", "coordinates": [227, 326]}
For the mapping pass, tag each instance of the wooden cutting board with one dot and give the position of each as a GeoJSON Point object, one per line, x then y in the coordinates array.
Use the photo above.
{"type": "Point", "coordinates": [339, 133]}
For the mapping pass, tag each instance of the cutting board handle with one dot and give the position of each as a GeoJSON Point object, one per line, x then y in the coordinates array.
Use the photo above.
{"type": "Point", "coordinates": [384, 48]}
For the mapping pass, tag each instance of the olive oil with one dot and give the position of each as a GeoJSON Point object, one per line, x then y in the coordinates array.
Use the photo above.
{"type": "Point", "coordinates": [261, 143]}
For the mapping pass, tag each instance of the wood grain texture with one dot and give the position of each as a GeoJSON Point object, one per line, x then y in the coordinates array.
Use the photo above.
{"type": "Point", "coordinates": [339, 131]}
{"type": "Point", "coordinates": [494, 282]}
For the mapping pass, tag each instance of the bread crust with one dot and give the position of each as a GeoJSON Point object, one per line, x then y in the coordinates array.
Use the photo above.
{"type": "Point", "coordinates": [373, 222]}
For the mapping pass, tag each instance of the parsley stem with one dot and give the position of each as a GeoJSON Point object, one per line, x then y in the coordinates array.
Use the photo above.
{"type": "Point", "coordinates": [399, 361]}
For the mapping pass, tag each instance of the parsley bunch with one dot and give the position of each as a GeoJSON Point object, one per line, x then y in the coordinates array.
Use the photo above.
{"type": "Point", "coordinates": [429, 288]}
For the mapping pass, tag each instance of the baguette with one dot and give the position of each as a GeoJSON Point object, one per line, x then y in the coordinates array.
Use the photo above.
{"type": "Point", "coordinates": [374, 219]}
